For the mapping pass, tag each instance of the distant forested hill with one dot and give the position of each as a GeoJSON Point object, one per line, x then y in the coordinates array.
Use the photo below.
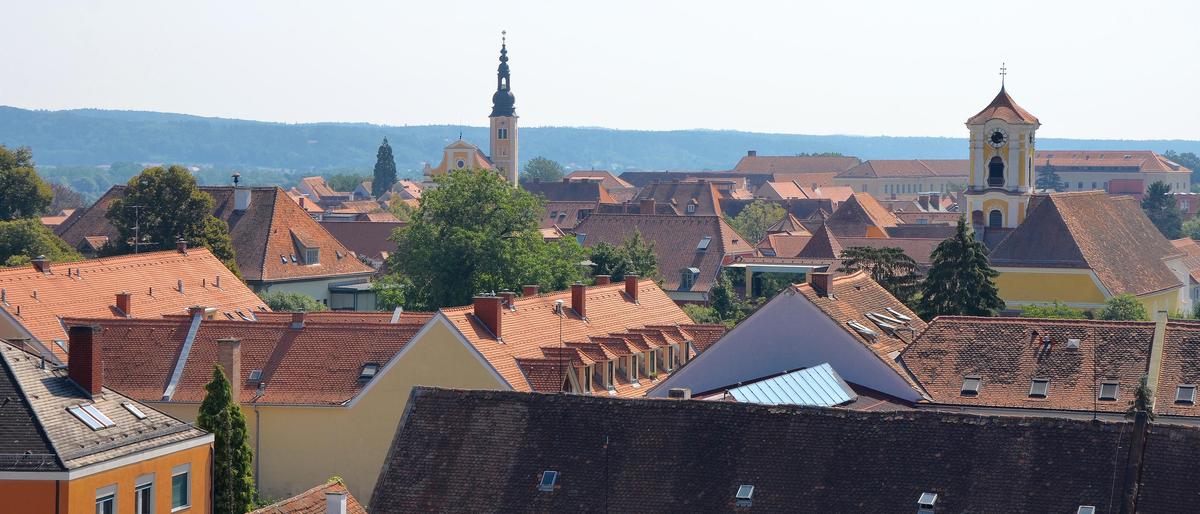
{"type": "Point", "coordinates": [90, 137]}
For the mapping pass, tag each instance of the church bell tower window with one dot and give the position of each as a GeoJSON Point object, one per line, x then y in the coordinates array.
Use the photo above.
{"type": "Point", "coordinates": [996, 172]}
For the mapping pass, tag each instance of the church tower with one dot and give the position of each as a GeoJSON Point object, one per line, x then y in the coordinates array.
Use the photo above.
{"type": "Point", "coordinates": [1001, 176]}
{"type": "Point", "coordinates": [504, 121]}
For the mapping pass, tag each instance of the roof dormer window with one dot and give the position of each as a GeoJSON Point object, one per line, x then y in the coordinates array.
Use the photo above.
{"type": "Point", "coordinates": [970, 385]}
{"type": "Point", "coordinates": [312, 256]}
{"type": "Point", "coordinates": [548, 481]}
{"type": "Point", "coordinates": [1039, 388]}
{"type": "Point", "coordinates": [1108, 391]}
{"type": "Point", "coordinates": [1185, 395]}
{"type": "Point", "coordinates": [687, 278]}
{"type": "Point", "coordinates": [691, 208]}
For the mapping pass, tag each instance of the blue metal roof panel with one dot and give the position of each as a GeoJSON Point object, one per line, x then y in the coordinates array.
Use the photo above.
{"type": "Point", "coordinates": [816, 386]}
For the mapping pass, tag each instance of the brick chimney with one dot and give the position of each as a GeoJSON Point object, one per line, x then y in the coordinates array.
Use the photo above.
{"type": "Point", "coordinates": [298, 319]}
{"type": "Point", "coordinates": [84, 366]}
{"type": "Point", "coordinates": [923, 201]}
{"type": "Point", "coordinates": [125, 303]}
{"type": "Point", "coordinates": [508, 297]}
{"type": "Point", "coordinates": [335, 503]}
{"type": "Point", "coordinates": [181, 245]}
{"type": "Point", "coordinates": [646, 206]}
{"type": "Point", "coordinates": [41, 264]}
{"type": "Point", "coordinates": [751, 153]}
{"type": "Point", "coordinates": [631, 287]}
{"type": "Point", "coordinates": [529, 290]}
{"type": "Point", "coordinates": [820, 281]}
{"type": "Point", "coordinates": [230, 357]}
{"type": "Point", "coordinates": [603, 280]}
{"type": "Point", "coordinates": [487, 310]}
{"type": "Point", "coordinates": [579, 299]}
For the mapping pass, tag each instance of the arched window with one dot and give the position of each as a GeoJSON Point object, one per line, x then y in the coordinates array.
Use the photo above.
{"type": "Point", "coordinates": [996, 172]}
{"type": "Point", "coordinates": [995, 218]}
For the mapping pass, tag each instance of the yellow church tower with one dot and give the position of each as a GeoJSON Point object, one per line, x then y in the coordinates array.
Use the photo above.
{"type": "Point", "coordinates": [504, 120]}
{"type": "Point", "coordinates": [1001, 176]}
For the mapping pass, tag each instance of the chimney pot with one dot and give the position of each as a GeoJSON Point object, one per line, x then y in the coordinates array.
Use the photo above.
{"type": "Point", "coordinates": [603, 280]}
{"type": "Point", "coordinates": [579, 299]}
{"type": "Point", "coordinates": [487, 310]}
{"type": "Point", "coordinates": [820, 281]}
{"type": "Point", "coordinates": [41, 264]}
{"type": "Point", "coordinates": [84, 363]}
{"type": "Point", "coordinates": [230, 349]}
{"type": "Point", "coordinates": [195, 310]}
{"type": "Point", "coordinates": [125, 303]}
{"type": "Point", "coordinates": [508, 297]}
{"type": "Point", "coordinates": [631, 287]}
{"type": "Point", "coordinates": [529, 290]}
{"type": "Point", "coordinates": [335, 503]}
{"type": "Point", "coordinates": [298, 319]}
{"type": "Point", "coordinates": [679, 393]}
{"type": "Point", "coordinates": [646, 206]}
{"type": "Point", "coordinates": [181, 245]}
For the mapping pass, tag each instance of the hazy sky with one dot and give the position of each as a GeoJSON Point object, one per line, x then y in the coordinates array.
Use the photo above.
{"type": "Point", "coordinates": [1120, 70]}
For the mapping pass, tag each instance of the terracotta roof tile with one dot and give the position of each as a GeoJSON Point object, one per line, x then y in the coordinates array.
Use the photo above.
{"type": "Point", "coordinates": [606, 178]}
{"type": "Point", "coordinates": [909, 168]}
{"type": "Point", "coordinates": [793, 164]}
{"type": "Point", "coordinates": [1144, 161]}
{"type": "Point", "coordinates": [152, 278]}
{"type": "Point", "coordinates": [1191, 256]}
{"type": "Point", "coordinates": [368, 239]}
{"type": "Point", "coordinates": [570, 191]}
{"type": "Point", "coordinates": [312, 501]}
{"type": "Point", "coordinates": [566, 215]}
{"type": "Point", "coordinates": [702, 194]}
{"type": "Point", "coordinates": [1003, 107]}
{"type": "Point", "coordinates": [1126, 252]}
{"type": "Point", "coordinates": [861, 216]}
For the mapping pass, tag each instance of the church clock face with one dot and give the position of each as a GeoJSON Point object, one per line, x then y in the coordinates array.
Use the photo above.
{"type": "Point", "coordinates": [998, 138]}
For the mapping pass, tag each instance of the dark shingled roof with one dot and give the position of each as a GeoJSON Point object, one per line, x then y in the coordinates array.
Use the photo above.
{"type": "Point", "coordinates": [484, 451]}
{"type": "Point", "coordinates": [1062, 230]}
{"type": "Point", "coordinates": [570, 191]}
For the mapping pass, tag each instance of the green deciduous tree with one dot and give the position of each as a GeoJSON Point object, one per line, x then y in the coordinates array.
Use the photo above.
{"type": "Point", "coordinates": [1191, 228]}
{"type": "Point", "coordinates": [346, 182]}
{"type": "Point", "coordinates": [1162, 210]}
{"type": "Point", "coordinates": [754, 220]}
{"type": "Point", "coordinates": [1048, 179]}
{"type": "Point", "coordinates": [890, 267]}
{"type": "Point", "coordinates": [1124, 307]}
{"type": "Point", "coordinates": [960, 279]}
{"type": "Point", "coordinates": [634, 256]}
{"type": "Point", "coordinates": [541, 169]}
{"type": "Point", "coordinates": [23, 194]}
{"type": "Point", "coordinates": [385, 170]}
{"type": "Point", "coordinates": [281, 301]}
{"type": "Point", "coordinates": [24, 239]}
{"type": "Point", "coordinates": [473, 233]}
{"type": "Point", "coordinates": [401, 210]}
{"type": "Point", "coordinates": [233, 479]}
{"type": "Point", "coordinates": [1188, 160]}
{"type": "Point", "coordinates": [165, 204]}
{"type": "Point", "coordinates": [1055, 310]}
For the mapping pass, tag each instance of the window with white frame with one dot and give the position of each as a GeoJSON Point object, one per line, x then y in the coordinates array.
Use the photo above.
{"type": "Point", "coordinates": [670, 357]}
{"type": "Point", "coordinates": [633, 368]}
{"type": "Point", "coordinates": [691, 208]}
{"type": "Point", "coordinates": [502, 133]}
{"type": "Point", "coordinates": [143, 495]}
{"type": "Point", "coordinates": [181, 487]}
{"type": "Point", "coordinates": [312, 256]}
{"type": "Point", "coordinates": [106, 500]}
{"type": "Point", "coordinates": [610, 374]}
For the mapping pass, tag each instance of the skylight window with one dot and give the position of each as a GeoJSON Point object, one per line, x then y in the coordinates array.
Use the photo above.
{"type": "Point", "coordinates": [1185, 394]}
{"type": "Point", "coordinates": [368, 371]}
{"type": "Point", "coordinates": [745, 494]}
{"type": "Point", "coordinates": [1086, 509]}
{"type": "Point", "coordinates": [91, 417]}
{"type": "Point", "coordinates": [898, 315]}
{"type": "Point", "coordinates": [1108, 390]}
{"type": "Point", "coordinates": [549, 479]}
{"type": "Point", "coordinates": [970, 385]}
{"type": "Point", "coordinates": [133, 409]}
{"type": "Point", "coordinates": [1039, 388]}
{"type": "Point", "coordinates": [926, 502]}
{"type": "Point", "coordinates": [703, 244]}
{"type": "Point", "coordinates": [255, 375]}
{"type": "Point", "coordinates": [863, 330]}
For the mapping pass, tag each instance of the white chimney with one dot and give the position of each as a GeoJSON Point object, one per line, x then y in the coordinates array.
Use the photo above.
{"type": "Point", "coordinates": [335, 503]}
{"type": "Point", "coordinates": [241, 198]}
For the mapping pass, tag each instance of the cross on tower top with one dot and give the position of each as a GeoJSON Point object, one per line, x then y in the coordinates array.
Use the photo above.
{"type": "Point", "coordinates": [1003, 72]}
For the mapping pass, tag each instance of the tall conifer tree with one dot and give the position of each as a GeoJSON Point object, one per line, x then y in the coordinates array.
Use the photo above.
{"type": "Point", "coordinates": [959, 281]}
{"type": "Point", "coordinates": [233, 479]}
{"type": "Point", "coordinates": [385, 170]}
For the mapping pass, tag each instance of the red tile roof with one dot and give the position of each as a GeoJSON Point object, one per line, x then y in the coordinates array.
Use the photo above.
{"type": "Point", "coordinates": [909, 168]}
{"type": "Point", "coordinates": [675, 241]}
{"type": "Point", "coordinates": [365, 238]}
{"type": "Point", "coordinates": [318, 364]}
{"type": "Point", "coordinates": [90, 289]}
{"type": "Point", "coordinates": [1003, 107]}
{"type": "Point", "coordinates": [701, 193]}
{"type": "Point", "coordinates": [312, 501]}
{"type": "Point", "coordinates": [1191, 258]}
{"type": "Point", "coordinates": [570, 191]}
{"type": "Point", "coordinates": [1061, 231]}
{"type": "Point", "coordinates": [263, 235]}
{"type": "Point", "coordinates": [531, 356]}
{"type": "Point", "coordinates": [860, 216]}
{"type": "Point", "coordinates": [566, 215]}
{"type": "Point", "coordinates": [319, 187]}
{"type": "Point", "coordinates": [793, 164]}
{"type": "Point", "coordinates": [1144, 161]}
{"type": "Point", "coordinates": [606, 178]}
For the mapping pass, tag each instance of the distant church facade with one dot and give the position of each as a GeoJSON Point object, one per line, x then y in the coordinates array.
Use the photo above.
{"type": "Point", "coordinates": [502, 153]}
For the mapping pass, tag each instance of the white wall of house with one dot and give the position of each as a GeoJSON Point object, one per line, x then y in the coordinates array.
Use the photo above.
{"type": "Point", "coordinates": [317, 288]}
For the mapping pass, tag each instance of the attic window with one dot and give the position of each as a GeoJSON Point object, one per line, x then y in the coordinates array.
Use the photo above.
{"type": "Point", "coordinates": [293, 258]}
{"type": "Point", "coordinates": [549, 478]}
{"type": "Point", "coordinates": [1185, 394]}
{"type": "Point", "coordinates": [898, 315]}
{"type": "Point", "coordinates": [926, 502]}
{"type": "Point", "coordinates": [283, 259]}
{"type": "Point", "coordinates": [91, 417]}
{"type": "Point", "coordinates": [1039, 388]}
{"type": "Point", "coordinates": [691, 208]}
{"type": "Point", "coordinates": [1073, 343]}
{"type": "Point", "coordinates": [863, 330]}
{"type": "Point", "coordinates": [687, 278]}
{"type": "Point", "coordinates": [133, 409]}
{"type": "Point", "coordinates": [312, 256]}
{"type": "Point", "coordinates": [745, 494]}
{"type": "Point", "coordinates": [703, 244]}
{"type": "Point", "coordinates": [1086, 509]}
{"type": "Point", "coordinates": [970, 385]}
{"type": "Point", "coordinates": [1108, 390]}
{"type": "Point", "coordinates": [368, 371]}
{"type": "Point", "coordinates": [255, 375]}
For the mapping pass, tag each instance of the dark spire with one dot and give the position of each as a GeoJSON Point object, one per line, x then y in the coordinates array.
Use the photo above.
{"type": "Point", "coordinates": [503, 102]}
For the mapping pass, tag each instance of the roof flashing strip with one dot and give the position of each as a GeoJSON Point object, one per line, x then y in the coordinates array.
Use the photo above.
{"type": "Point", "coordinates": [181, 361]}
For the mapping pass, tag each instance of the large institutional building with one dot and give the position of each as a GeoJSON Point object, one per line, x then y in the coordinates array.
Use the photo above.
{"type": "Point", "coordinates": [503, 134]}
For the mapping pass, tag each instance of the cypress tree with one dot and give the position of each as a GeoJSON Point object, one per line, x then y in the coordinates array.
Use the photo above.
{"type": "Point", "coordinates": [960, 280]}
{"type": "Point", "coordinates": [233, 480]}
{"type": "Point", "coordinates": [385, 170]}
